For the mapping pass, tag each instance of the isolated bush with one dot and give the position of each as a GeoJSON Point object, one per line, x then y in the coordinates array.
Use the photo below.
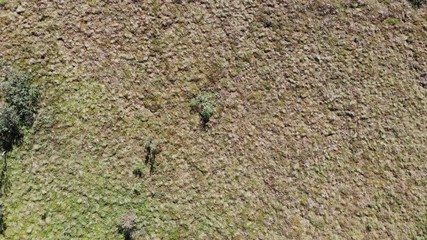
{"type": "Point", "coordinates": [21, 106]}
{"type": "Point", "coordinates": [207, 112]}
{"type": "Point", "coordinates": [21, 96]}
{"type": "Point", "coordinates": [127, 225]}
{"type": "Point", "coordinates": [417, 3]}
{"type": "Point", "coordinates": [137, 172]}
{"type": "Point", "coordinates": [204, 105]}
{"type": "Point", "coordinates": [9, 128]}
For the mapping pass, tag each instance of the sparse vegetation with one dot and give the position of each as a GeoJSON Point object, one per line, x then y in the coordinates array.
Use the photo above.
{"type": "Point", "coordinates": [422, 227]}
{"type": "Point", "coordinates": [204, 105]}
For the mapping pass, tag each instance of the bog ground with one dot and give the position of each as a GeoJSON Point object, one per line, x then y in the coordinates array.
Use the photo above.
{"type": "Point", "coordinates": [319, 129]}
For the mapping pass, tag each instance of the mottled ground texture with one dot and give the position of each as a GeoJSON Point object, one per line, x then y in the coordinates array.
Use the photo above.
{"type": "Point", "coordinates": [319, 130]}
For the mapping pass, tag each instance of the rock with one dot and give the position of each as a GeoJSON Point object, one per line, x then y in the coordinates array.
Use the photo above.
{"type": "Point", "coordinates": [20, 9]}
{"type": "Point", "coordinates": [37, 147]}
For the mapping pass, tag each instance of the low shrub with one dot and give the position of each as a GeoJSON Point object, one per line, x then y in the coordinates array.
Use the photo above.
{"type": "Point", "coordinates": [204, 105]}
{"type": "Point", "coordinates": [137, 171]}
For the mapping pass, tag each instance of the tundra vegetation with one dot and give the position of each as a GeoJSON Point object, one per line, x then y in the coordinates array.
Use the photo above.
{"type": "Point", "coordinates": [313, 118]}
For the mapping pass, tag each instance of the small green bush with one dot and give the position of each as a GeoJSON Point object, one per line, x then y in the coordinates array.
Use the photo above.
{"type": "Point", "coordinates": [392, 21]}
{"type": "Point", "coordinates": [21, 96]}
{"type": "Point", "coordinates": [207, 112]}
{"type": "Point", "coordinates": [204, 105]}
{"type": "Point", "coordinates": [137, 172]}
